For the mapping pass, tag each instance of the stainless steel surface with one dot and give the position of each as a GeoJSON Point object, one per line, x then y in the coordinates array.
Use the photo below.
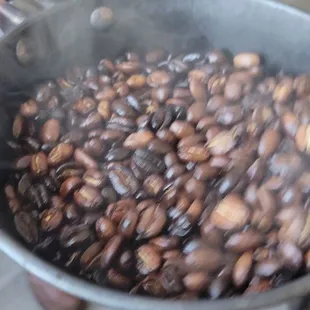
{"type": "Point", "coordinates": [13, 14]}
{"type": "Point", "coordinates": [23, 261]}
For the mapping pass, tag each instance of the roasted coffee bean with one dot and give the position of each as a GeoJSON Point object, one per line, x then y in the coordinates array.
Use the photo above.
{"type": "Point", "coordinates": [76, 237]}
{"type": "Point", "coordinates": [94, 147]}
{"type": "Point", "coordinates": [51, 219]}
{"type": "Point", "coordinates": [222, 143]}
{"type": "Point", "coordinates": [219, 286]}
{"type": "Point", "coordinates": [268, 267]}
{"type": "Point", "coordinates": [148, 162]}
{"type": "Point", "coordinates": [69, 186]}
{"type": "Point", "coordinates": [39, 165]}
{"type": "Point", "coordinates": [94, 178]}
{"type": "Point", "coordinates": [105, 228]}
{"type": "Point", "coordinates": [244, 241]}
{"type": "Point", "coordinates": [123, 181]}
{"type": "Point", "coordinates": [242, 269]}
{"type": "Point", "coordinates": [284, 90]}
{"type": "Point", "coordinates": [196, 153]}
{"type": "Point", "coordinates": [120, 108]}
{"type": "Point", "coordinates": [182, 129]}
{"type": "Point", "coordinates": [27, 227]}
{"type": "Point", "coordinates": [206, 259]}
{"type": "Point", "coordinates": [159, 78]}
{"type": "Point", "coordinates": [269, 143]}
{"type": "Point", "coordinates": [196, 281]}
{"type": "Point", "coordinates": [229, 115]}
{"type": "Point", "coordinates": [122, 124]}
{"type": "Point", "coordinates": [148, 259]}
{"type": "Point", "coordinates": [291, 255]}
{"type": "Point", "coordinates": [29, 108]}
{"type": "Point", "coordinates": [84, 159]}
{"type": "Point", "coordinates": [153, 184]}
{"type": "Point", "coordinates": [23, 186]}
{"type": "Point", "coordinates": [117, 211]}
{"type": "Point", "coordinates": [31, 144]}
{"type": "Point", "coordinates": [90, 253]}
{"type": "Point", "coordinates": [118, 280]}
{"type": "Point", "coordinates": [246, 60]}
{"type": "Point", "coordinates": [210, 234]}
{"type": "Point", "coordinates": [127, 226]}
{"type": "Point", "coordinates": [230, 213]}
{"type": "Point", "coordinates": [73, 137]}
{"type": "Point", "coordinates": [50, 131]}
{"type": "Point", "coordinates": [151, 222]}
{"type": "Point", "coordinates": [61, 153]}
{"type": "Point", "coordinates": [111, 250]}
{"type": "Point", "coordinates": [71, 213]}
{"type": "Point", "coordinates": [88, 198]}
{"type": "Point", "coordinates": [138, 140]}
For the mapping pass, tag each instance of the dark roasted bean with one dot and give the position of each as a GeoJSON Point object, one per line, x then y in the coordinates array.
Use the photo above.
{"type": "Point", "coordinates": [51, 219]}
{"type": "Point", "coordinates": [88, 198]}
{"type": "Point", "coordinates": [27, 227]}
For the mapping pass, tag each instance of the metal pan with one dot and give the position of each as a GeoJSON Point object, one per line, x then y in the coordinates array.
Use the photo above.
{"type": "Point", "coordinates": [62, 36]}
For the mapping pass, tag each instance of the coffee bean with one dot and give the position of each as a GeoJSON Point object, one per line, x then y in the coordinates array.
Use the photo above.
{"type": "Point", "coordinates": [153, 184]}
{"type": "Point", "coordinates": [268, 267]}
{"type": "Point", "coordinates": [210, 234]}
{"type": "Point", "coordinates": [148, 162]}
{"type": "Point", "coordinates": [61, 153]}
{"type": "Point", "coordinates": [159, 78]}
{"type": "Point", "coordinates": [231, 213]}
{"type": "Point", "coordinates": [182, 129]}
{"type": "Point", "coordinates": [242, 269]}
{"type": "Point", "coordinates": [229, 115]}
{"type": "Point", "coordinates": [219, 286]}
{"type": "Point", "coordinates": [90, 253]}
{"type": "Point", "coordinates": [85, 160]}
{"type": "Point", "coordinates": [151, 222]}
{"type": "Point", "coordinates": [123, 181]}
{"type": "Point", "coordinates": [105, 228]}
{"type": "Point", "coordinates": [222, 143]}
{"type": "Point", "coordinates": [29, 108]}
{"type": "Point", "coordinates": [196, 281]}
{"type": "Point", "coordinates": [148, 259]}
{"type": "Point", "coordinates": [258, 286]}
{"type": "Point", "coordinates": [283, 91]}
{"type": "Point", "coordinates": [26, 226]}
{"type": "Point", "coordinates": [206, 259]}
{"type": "Point", "coordinates": [110, 250]}
{"type": "Point", "coordinates": [116, 211]}
{"type": "Point", "coordinates": [128, 67]}
{"type": "Point", "coordinates": [244, 241]}
{"type": "Point", "coordinates": [51, 219]}
{"type": "Point", "coordinates": [38, 164]}
{"type": "Point", "coordinates": [246, 60]}
{"type": "Point", "coordinates": [138, 140]}
{"type": "Point", "coordinates": [76, 237]}
{"type": "Point", "coordinates": [269, 143]}
{"type": "Point", "coordinates": [69, 186]}
{"type": "Point", "coordinates": [50, 131]}
{"type": "Point", "coordinates": [291, 255]}
{"type": "Point", "coordinates": [88, 198]}
{"type": "Point", "coordinates": [84, 106]}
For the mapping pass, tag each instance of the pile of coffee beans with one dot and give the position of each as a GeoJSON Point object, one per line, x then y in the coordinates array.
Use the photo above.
{"type": "Point", "coordinates": [176, 176]}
